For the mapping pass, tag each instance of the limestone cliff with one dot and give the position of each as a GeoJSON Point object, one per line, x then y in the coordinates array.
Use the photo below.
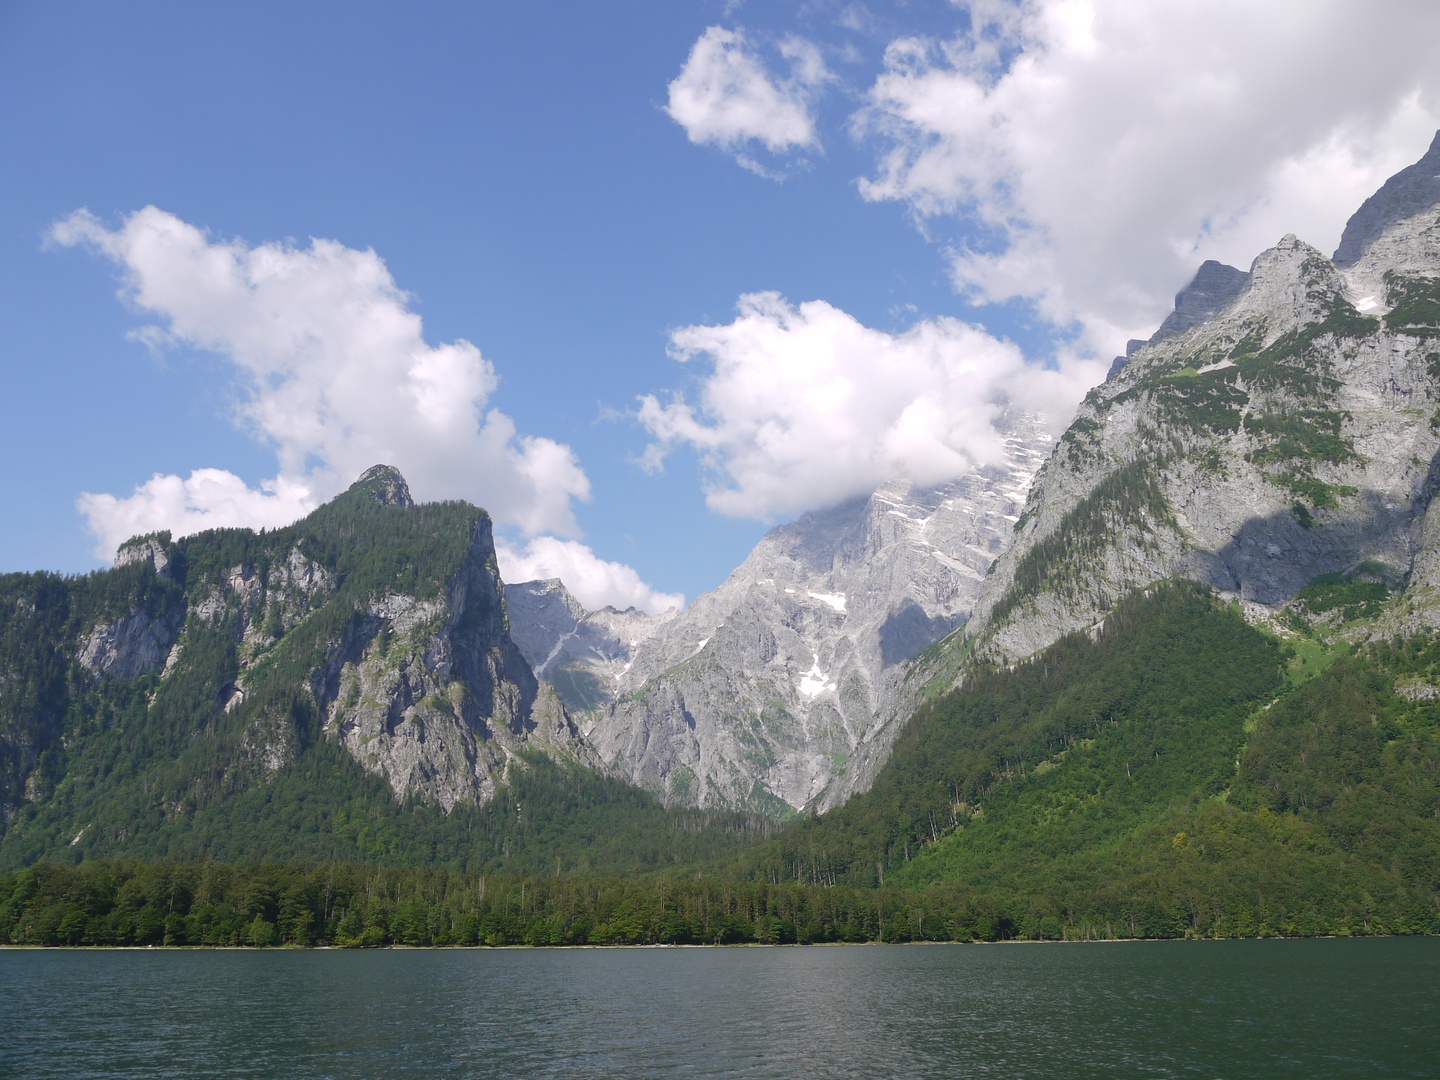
{"type": "Point", "coordinates": [1291, 434]}
{"type": "Point", "coordinates": [585, 655]}
{"type": "Point", "coordinates": [374, 623]}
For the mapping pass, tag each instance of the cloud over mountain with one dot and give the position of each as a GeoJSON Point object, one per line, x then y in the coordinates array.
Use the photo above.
{"type": "Point", "coordinates": [334, 373]}
{"type": "Point", "coordinates": [1096, 152]}
{"type": "Point", "coordinates": [595, 582]}
{"type": "Point", "coordinates": [805, 406]}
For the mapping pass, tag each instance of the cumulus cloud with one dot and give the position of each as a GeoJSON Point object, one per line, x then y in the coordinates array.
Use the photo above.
{"type": "Point", "coordinates": [207, 499]}
{"type": "Point", "coordinates": [593, 581]}
{"type": "Point", "coordinates": [1101, 149]}
{"type": "Point", "coordinates": [725, 96]}
{"type": "Point", "coordinates": [805, 406]}
{"type": "Point", "coordinates": [332, 371]}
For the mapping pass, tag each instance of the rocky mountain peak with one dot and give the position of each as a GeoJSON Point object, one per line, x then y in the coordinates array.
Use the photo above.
{"type": "Point", "coordinates": [385, 485]}
{"type": "Point", "coordinates": [1213, 286]}
{"type": "Point", "coordinates": [1291, 283]}
{"type": "Point", "coordinates": [542, 613]}
{"type": "Point", "coordinates": [785, 686]}
{"type": "Point", "coordinates": [148, 549]}
{"type": "Point", "coordinates": [1286, 438]}
{"type": "Point", "coordinates": [1411, 191]}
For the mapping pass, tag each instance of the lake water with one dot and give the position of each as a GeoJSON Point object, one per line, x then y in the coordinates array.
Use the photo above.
{"type": "Point", "coordinates": [1362, 1008]}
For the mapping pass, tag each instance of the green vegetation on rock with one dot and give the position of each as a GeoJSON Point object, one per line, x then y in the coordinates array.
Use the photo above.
{"type": "Point", "coordinates": [1415, 305]}
{"type": "Point", "coordinates": [1310, 435]}
{"type": "Point", "coordinates": [1129, 497]}
{"type": "Point", "coordinates": [1181, 766]}
{"type": "Point", "coordinates": [1357, 594]}
{"type": "Point", "coordinates": [1178, 774]}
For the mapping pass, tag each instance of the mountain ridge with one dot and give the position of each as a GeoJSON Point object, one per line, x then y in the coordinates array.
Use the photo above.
{"type": "Point", "coordinates": [373, 627]}
{"type": "Point", "coordinates": [1284, 438]}
{"type": "Point", "coordinates": [363, 684]}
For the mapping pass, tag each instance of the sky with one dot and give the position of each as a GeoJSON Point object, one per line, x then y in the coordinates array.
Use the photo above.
{"type": "Point", "coordinates": [641, 279]}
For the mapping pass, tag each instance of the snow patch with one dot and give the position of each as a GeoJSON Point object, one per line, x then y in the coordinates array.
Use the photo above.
{"type": "Point", "coordinates": [835, 600]}
{"type": "Point", "coordinates": [540, 671]}
{"type": "Point", "coordinates": [1369, 303]}
{"type": "Point", "coordinates": [815, 682]}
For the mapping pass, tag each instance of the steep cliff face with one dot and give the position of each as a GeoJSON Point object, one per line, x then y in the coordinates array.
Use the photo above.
{"type": "Point", "coordinates": [1291, 435]}
{"type": "Point", "coordinates": [373, 625]}
{"type": "Point", "coordinates": [432, 693]}
{"type": "Point", "coordinates": [779, 690]}
{"type": "Point", "coordinates": [1413, 190]}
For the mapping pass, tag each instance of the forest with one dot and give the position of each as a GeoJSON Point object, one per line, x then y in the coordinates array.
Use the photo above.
{"type": "Point", "coordinates": [1180, 773]}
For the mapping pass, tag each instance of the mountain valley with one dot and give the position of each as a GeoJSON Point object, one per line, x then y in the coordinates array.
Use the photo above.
{"type": "Point", "coordinates": [1176, 672]}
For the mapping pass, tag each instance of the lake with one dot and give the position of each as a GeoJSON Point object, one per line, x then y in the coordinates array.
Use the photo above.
{"type": "Point", "coordinates": [1331, 1008]}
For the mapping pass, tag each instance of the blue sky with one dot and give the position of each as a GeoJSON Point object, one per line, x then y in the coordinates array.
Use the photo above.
{"type": "Point", "coordinates": [954, 205]}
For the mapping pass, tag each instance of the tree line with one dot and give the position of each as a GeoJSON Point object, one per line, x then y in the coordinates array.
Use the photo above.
{"type": "Point", "coordinates": [348, 905]}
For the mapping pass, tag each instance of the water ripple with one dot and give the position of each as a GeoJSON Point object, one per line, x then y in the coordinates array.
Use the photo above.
{"type": "Point", "coordinates": [1145, 1009]}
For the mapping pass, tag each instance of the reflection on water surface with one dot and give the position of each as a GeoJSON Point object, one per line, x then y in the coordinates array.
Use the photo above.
{"type": "Point", "coordinates": [1141, 1009]}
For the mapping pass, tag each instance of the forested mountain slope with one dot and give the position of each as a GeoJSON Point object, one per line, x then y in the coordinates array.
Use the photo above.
{"type": "Point", "coordinates": [1198, 693]}
{"type": "Point", "coordinates": [1178, 767]}
{"type": "Point", "coordinates": [345, 687]}
{"type": "Point", "coordinates": [1178, 774]}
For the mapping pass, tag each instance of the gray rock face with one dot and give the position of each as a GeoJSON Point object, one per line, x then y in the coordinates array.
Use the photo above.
{"type": "Point", "coordinates": [435, 696]}
{"type": "Point", "coordinates": [1287, 437]}
{"type": "Point", "coordinates": [1210, 290]}
{"type": "Point", "coordinates": [134, 645]}
{"type": "Point", "coordinates": [780, 689]}
{"type": "Point", "coordinates": [1213, 286]}
{"type": "Point", "coordinates": [258, 611]}
{"type": "Point", "coordinates": [427, 690]}
{"type": "Point", "coordinates": [1411, 191]}
{"type": "Point", "coordinates": [542, 614]}
{"type": "Point", "coordinates": [584, 655]}
{"type": "Point", "coordinates": [385, 485]}
{"type": "Point", "coordinates": [430, 693]}
{"type": "Point", "coordinates": [149, 549]}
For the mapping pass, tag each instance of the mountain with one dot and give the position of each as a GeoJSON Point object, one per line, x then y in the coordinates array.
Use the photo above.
{"type": "Point", "coordinates": [1289, 436]}
{"type": "Point", "coordinates": [1177, 772]}
{"type": "Point", "coordinates": [1213, 287]}
{"type": "Point", "coordinates": [584, 654]}
{"type": "Point", "coordinates": [1275, 429]}
{"type": "Point", "coordinates": [284, 691]}
{"type": "Point", "coordinates": [1199, 692]}
{"type": "Point", "coordinates": [783, 688]}
{"type": "Point", "coordinates": [1176, 674]}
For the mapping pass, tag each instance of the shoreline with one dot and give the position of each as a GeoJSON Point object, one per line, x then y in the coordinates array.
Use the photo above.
{"type": "Point", "coordinates": [687, 945]}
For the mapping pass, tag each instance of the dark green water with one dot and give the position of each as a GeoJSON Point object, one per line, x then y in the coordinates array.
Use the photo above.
{"type": "Point", "coordinates": [1144, 1009]}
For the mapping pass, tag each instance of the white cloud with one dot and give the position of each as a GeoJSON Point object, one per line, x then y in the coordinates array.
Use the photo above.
{"type": "Point", "coordinates": [726, 97]}
{"type": "Point", "coordinates": [806, 406]}
{"type": "Point", "coordinates": [595, 582]}
{"type": "Point", "coordinates": [1106, 148]}
{"type": "Point", "coordinates": [333, 372]}
{"type": "Point", "coordinates": [208, 499]}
